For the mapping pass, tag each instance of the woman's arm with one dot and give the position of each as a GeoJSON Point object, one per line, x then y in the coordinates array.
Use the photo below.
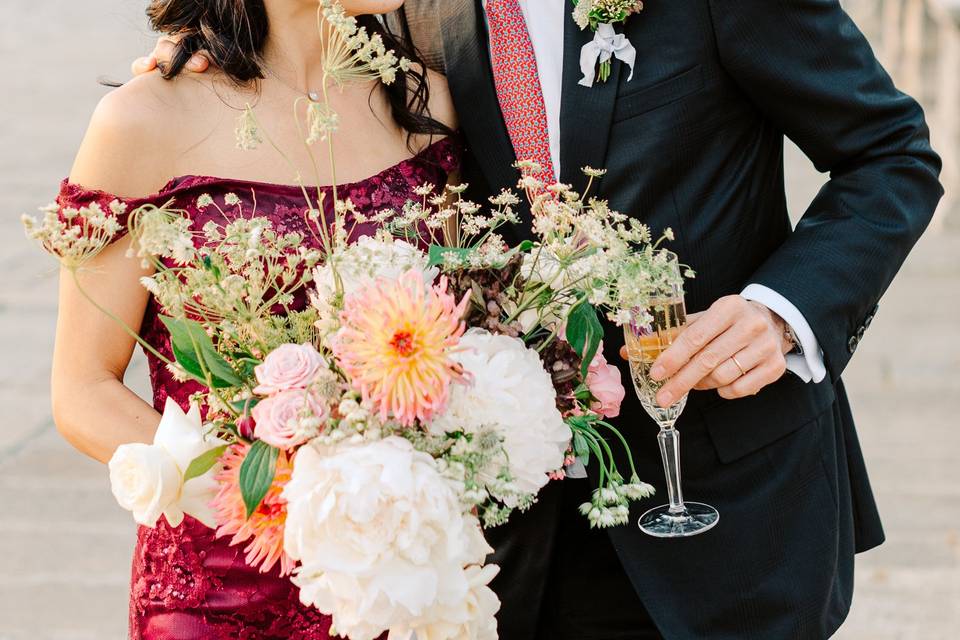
{"type": "Point", "coordinates": [92, 408]}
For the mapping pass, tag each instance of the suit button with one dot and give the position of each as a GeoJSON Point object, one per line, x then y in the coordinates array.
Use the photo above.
{"type": "Point", "coordinates": [870, 316]}
{"type": "Point", "coordinates": [853, 343]}
{"type": "Point", "coordinates": [862, 330]}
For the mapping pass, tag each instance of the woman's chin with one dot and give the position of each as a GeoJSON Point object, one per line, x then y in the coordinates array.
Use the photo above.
{"type": "Point", "coordinates": [370, 7]}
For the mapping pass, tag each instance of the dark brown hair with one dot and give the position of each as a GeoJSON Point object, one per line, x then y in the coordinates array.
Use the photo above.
{"type": "Point", "coordinates": [233, 34]}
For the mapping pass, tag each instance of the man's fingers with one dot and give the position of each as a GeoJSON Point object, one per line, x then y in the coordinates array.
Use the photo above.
{"type": "Point", "coordinates": [198, 63]}
{"type": "Point", "coordinates": [143, 65]}
{"type": "Point", "coordinates": [752, 356]}
{"type": "Point", "coordinates": [166, 49]}
{"type": "Point", "coordinates": [697, 335]}
{"type": "Point", "coordinates": [704, 363]}
{"type": "Point", "coordinates": [754, 381]}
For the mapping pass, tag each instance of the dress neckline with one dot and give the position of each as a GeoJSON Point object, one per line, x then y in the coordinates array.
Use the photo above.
{"type": "Point", "coordinates": [194, 180]}
{"type": "Point", "coordinates": [190, 181]}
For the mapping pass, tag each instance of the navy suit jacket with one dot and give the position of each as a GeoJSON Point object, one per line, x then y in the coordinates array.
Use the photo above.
{"type": "Point", "coordinates": [695, 142]}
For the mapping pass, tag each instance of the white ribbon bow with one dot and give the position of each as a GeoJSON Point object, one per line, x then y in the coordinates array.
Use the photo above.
{"type": "Point", "coordinates": [606, 44]}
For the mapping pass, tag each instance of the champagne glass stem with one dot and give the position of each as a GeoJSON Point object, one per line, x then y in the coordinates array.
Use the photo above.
{"type": "Point", "coordinates": [669, 440]}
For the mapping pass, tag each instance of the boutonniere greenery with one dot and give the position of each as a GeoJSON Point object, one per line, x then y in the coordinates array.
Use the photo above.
{"type": "Point", "coordinates": [600, 16]}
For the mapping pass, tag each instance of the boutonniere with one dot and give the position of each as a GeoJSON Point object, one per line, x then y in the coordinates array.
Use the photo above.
{"type": "Point", "coordinates": [597, 56]}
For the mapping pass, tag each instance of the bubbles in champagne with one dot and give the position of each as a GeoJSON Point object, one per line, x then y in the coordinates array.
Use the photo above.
{"type": "Point", "coordinates": [650, 333]}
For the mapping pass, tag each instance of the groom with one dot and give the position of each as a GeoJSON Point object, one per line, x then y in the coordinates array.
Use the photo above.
{"type": "Point", "coordinates": [694, 141]}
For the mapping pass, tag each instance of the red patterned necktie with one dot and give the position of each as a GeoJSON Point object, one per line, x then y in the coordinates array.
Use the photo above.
{"type": "Point", "coordinates": [518, 85]}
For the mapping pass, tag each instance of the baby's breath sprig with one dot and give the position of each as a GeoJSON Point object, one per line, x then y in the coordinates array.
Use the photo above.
{"type": "Point", "coordinates": [353, 55]}
{"type": "Point", "coordinates": [248, 130]}
{"type": "Point", "coordinates": [235, 277]}
{"type": "Point", "coordinates": [591, 13]}
{"type": "Point", "coordinates": [75, 236]}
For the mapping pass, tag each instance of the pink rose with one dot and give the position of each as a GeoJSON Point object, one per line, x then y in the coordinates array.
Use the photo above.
{"type": "Point", "coordinates": [605, 384]}
{"type": "Point", "coordinates": [289, 366]}
{"type": "Point", "coordinates": [289, 418]}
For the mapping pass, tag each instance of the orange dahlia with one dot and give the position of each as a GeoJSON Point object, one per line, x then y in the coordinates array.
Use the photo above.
{"type": "Point", "coordinates": [264, 528]}
{"type": "Point", "coordinates": [396, 341]}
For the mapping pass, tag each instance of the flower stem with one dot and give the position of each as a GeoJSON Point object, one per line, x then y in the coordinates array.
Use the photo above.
{"type": "Point", "coordinates": [123, 325]}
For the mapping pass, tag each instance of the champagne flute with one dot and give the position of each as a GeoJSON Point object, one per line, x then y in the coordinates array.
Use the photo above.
{"type": "Point", "coordinates": [649, 333]}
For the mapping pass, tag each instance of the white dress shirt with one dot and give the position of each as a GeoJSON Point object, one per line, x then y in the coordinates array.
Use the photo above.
{"type": "Point", "coordinates": [545, 24]}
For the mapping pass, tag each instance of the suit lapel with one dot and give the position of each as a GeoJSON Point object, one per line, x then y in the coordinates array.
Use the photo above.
{"type": "Point", "coordinates": [586, 113]}
{"type": "Point", "coordinates": [467, 61]}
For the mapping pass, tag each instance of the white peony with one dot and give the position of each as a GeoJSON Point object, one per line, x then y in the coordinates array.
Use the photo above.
{"type": "Point", "coordinates": [473, 618]}
{"type": "Point", "coordinates": [509, 390]}
{"type": "Point", "coordinates": [380, 535]}
{"type": "Point", "coordinates": [367, 259]}
{"type": "Point", "coordinates": [148, 479]}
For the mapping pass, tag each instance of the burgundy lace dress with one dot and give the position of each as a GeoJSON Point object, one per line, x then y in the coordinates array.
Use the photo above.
{"type": "Point", "coordinates": [187, 584]}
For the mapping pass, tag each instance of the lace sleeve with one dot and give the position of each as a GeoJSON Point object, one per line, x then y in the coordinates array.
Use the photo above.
{"type": "Point", "coordinates": [87, 209]}
{"type": "Point", "coordinates": [81, 223]}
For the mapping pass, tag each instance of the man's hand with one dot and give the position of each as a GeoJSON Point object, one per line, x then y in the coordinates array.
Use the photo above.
{"type": "Point", "coordinates": [736, 347]}
{"type": "Point", "coordinates": [163, 54]}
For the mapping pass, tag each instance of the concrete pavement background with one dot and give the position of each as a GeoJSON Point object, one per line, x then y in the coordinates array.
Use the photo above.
{"type": "Point", "coordinates": [65, 546]}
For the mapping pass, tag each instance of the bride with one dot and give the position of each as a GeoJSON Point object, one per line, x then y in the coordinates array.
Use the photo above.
{"type": "Point", "coordinates": [171, 136]}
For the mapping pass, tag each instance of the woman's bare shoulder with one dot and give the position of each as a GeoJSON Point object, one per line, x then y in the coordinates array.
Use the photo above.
{"type": "Point", "coordinates": [135, 133]}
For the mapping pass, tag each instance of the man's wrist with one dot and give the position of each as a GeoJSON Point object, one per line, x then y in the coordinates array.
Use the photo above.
{"type": "Point", "coordinates": [788, 341]}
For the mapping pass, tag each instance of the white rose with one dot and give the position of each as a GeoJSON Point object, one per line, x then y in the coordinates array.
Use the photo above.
{"type": "Point", "coordinates": [144, 480]}
{"type": "Point", "coordinates": [511, 392]}
{"type": "Point", "coordinates": [380, 535]}
{"type": "Point", "coordinates": [148, 479]}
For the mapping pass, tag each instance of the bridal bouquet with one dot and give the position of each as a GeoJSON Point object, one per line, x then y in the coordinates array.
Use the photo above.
{"type": "Point", "coordinates": [367, 404]}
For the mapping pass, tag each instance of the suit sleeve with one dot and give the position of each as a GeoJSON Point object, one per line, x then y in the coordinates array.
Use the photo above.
{"type": "Point", "coordinates": [811, 72]}
{"type": "Point", "coordinates": [424, 23]}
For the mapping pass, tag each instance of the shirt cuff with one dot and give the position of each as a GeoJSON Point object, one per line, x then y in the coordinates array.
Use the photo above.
{"type": "Point", "coordinates": [810, 366]}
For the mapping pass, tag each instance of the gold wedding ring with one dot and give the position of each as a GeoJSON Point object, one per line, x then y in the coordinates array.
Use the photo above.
{"type": "Point", "coordinates": [739, 366]}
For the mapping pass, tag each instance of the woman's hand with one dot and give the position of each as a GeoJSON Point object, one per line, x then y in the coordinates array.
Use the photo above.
{"type": "Point", "coordinates": [162, 55]}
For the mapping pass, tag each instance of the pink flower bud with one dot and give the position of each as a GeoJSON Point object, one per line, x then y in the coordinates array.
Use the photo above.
{"type": "Point", "coordinates": [605, 384]}
{"type": "Point", "coordinates": [246, 426]}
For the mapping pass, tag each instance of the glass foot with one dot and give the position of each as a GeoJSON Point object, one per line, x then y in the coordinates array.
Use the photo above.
{"type": "Point", "coordinates": [695, 519]}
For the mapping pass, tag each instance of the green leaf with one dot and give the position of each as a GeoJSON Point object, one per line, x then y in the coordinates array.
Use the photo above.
{"type": "Point", "coordinates": [256, 474]}
{"type": "Point", "coordinates": [194, 351]}
{"type": "Point", "coordinates": [580, 446]}
{"type": "Point", "coordinates": [582, 392]}
{"type": "Point", "coordinates": [203, 463]}
{"type": "Point", "coordinates": [244, 407]}
{"type": "Point", "coordinates": [584, 333]}
{"type": "Point", "coordinates": [523, 247]}
{"type": "Point", "coordinates": [437, 253]}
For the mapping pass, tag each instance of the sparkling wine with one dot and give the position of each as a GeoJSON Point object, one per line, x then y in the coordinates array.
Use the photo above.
{"type": "Point", "coordinates": [648, 336]}
{"type": "Point", "coordinates": [649, 333]}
